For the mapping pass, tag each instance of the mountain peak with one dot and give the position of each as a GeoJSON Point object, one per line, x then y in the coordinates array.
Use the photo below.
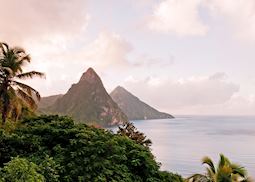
{"type": "Point", "coordinates": [88, 102]}
{"type": "Point", "coordinates": [90, 75]}
{"type": "Point", "coordinates": [134, 108]}
{"type": "Point", "coordinates": [90, 70]}
{"type": "Point", "coordinates": [120, 88]}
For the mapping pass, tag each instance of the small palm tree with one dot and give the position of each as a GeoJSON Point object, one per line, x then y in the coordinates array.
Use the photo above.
{"type": "Point", "coordinates": [13, 93]}
{"type": "Point", "coordinates": [225, 172]}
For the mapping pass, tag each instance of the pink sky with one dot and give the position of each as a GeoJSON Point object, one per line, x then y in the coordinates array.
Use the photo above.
{"type": "Point", "coordinates": [183, 57]}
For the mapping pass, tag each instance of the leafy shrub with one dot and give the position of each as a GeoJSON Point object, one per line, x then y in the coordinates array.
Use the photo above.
{"type": "Point", "coordinates": [20, 170]}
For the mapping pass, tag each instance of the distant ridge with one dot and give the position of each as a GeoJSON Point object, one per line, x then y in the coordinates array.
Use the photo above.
{"type": "Point", "coordinates": [48, 101]}
{"type": "Point", "coordinates": [87, 101]}
{"type": "Point", "coordinates": [134, 108]}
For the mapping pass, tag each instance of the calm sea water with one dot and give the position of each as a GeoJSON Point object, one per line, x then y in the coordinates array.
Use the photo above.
{"type": "Point", "coordinates": [180, 143]}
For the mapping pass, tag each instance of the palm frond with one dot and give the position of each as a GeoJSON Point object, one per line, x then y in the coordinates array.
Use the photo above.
{"type": "Point", "coordinates": [22, 59]}
{"type": "Point", "coordinates": [30, 74]}
{"type": "Point", "coordinates": [18, 50]}
{"type": "Point", "coordinates": [223, 161]}
{"type": "Point", "coordinates": [28, 99]}
{"type": "Point", "coordinates": [29, 90]}
{"type": "Point", "coordinates": [237, 169]}
{"type": "Point", "coordinates": [4, 47]}
{"type": "Point", "coordinates": [197, 178]}
{"type": "Point", "coordinates": [16, 107]}
{"type": "Point", "coordinates": [25, 57]}
{"type": "Point", "coordinates": [7, 70]}
{"type": "Point", "coordinates": [209, 162]}
{"type": "Point", "coordinates": [210, 173]}
{"type": "Point", "coordinates": [247, 179]}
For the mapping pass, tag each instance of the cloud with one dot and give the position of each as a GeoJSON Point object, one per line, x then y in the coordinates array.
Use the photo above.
{"type": "Point", "coordinates": [47, 29]}
{"type": "Point", "coordinates": [46, 20]}
{"type": "Point", "coordinates": [236, 105]}
{"type": "Point", "coordinates": [145, 60]}
{"type": "Point", "coordinates": [238, 14]}
{"type": "Point", "coordinates": [111, 51]}
{"type": "Point", "coordinates": [180, 17]}
{"type": "Point", "coordinates": [218, 76]}
{"type": "Point", "coordinates": [184, 94]}
{"type": "Point", "coordinates": [109, 54]}
{"type": "Point", "coordinates": [107, 50]}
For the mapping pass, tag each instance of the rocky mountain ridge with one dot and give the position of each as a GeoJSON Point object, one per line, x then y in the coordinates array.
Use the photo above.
{"type": "Point", "coordinates": [88, 102]}
{"type": "Point", "coordinates": [134, 108]}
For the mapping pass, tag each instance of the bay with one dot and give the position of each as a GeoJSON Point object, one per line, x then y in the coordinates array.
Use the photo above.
{"type": "Point", "coordinates": [179, 144]}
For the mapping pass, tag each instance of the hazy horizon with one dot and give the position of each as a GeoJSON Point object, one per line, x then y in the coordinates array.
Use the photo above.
{"type": "Point", "coordinates": [181, 57]}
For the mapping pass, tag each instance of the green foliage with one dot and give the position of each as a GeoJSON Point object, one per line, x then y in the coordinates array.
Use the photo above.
{"type": "Point", "coordinates": [224, 172]}
{"type": "Point", "coordinates": [166, 176]}
{"type": "Point", "coordinates": [20, 170]}
{"type": "Point", "coordinates": [15, 95]}
{"type": "Point", "coordinates": [128, 129]}
{"type": "Point", "coordinates": [48, 168]}
{"type": "Point", "coordinates": [64, 151]}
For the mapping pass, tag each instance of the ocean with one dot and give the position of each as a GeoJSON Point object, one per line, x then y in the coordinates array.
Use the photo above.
{"type": "Point", "coordinates": [179, 144]}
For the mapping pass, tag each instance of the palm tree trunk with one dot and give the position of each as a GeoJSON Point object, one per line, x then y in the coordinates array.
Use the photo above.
{"type": "Point", "coordinates": [5, 102]}
{"type": "Point", "coordinates": [4, 115]}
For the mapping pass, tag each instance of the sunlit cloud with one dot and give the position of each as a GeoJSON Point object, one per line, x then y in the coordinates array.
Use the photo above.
{"type": "Point", "coordinates": [239, 15]}
{"type": "Point", "coordinates": [180, 17]}
{"type": "Point", "coordinates": [44, 21]}
{"type": "Point", "coordinates": [183, 94]}
{"type": "Point", "coordinates": [108, 49]}
{"type": "Point", "coordinates": [183, 18]}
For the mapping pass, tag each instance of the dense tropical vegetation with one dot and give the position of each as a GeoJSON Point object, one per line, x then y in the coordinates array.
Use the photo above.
{"type": "Point", "coordinates": [14, 94]}
{"type": "Point", "coordinates": [56, 149]}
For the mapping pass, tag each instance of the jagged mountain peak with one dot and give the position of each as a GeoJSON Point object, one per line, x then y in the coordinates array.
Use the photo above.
{"type": "Point", "coordinates": [90, 76]}
{"type": "Point", "coordinates": [88, 102]}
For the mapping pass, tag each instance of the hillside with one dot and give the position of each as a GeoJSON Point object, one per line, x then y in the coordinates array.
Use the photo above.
{"type": "Point", "coordinates": [48, 101]}
{"type": "Point", "coordinates": [87, 101]}
{"type": "Point", "coordinates": [134, 108]}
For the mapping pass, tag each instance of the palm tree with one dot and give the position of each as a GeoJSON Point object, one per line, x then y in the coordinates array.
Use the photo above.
{"type": "Point", "coordinates": [225, 172]}
{"type": "Point", "coordinates": [12, 60]}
